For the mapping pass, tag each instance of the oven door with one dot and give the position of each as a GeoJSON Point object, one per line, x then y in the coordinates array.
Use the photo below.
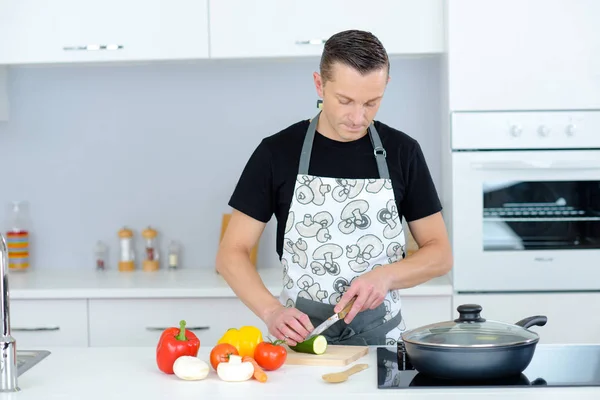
{"type": "Point", "coordinates": [526, 220]}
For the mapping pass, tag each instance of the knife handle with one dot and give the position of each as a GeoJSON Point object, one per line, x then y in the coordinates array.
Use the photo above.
{"type": "Point", "coordinates": [342, 314]}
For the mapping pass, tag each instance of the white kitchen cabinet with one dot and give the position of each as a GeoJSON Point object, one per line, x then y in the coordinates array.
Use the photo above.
{"type": "Point", "coordinates": [60, 31]}
{"type": "Point", "coordinates": [418, 311]}
{"type": "Point", "coordinates": [571, 318]}
{"type": "Point", "coordinates": [523, 55]}
{"type": "Point", "coordinates": [49, 323]}
{"type": "Point", "coordinates": [274, 28]}
{"type": "Point", "coordinates": [139, 322]}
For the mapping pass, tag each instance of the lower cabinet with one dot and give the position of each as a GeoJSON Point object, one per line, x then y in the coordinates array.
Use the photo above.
{"type": "Point", "coordinates": [571, 316]}
{"type": "Point", "coordinates": [139, 322]}
{"type": "Point", "coordinates": [49, 323]}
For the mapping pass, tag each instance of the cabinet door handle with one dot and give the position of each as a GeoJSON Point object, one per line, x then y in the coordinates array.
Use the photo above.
{"type": "Point", "coordinates": [191, 328]}
{"type": "Point", "coordinates": [311, 41]}
{"type": "Point", "coordinates": [94, 47]}
{"type": "Point", "coordinates": [36, 329]}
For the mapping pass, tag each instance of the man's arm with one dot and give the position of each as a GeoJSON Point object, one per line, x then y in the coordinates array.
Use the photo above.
{"type": "Point", "coordinates": [432, 259]}
{"type": "Point", "coordinates": [234, 265]}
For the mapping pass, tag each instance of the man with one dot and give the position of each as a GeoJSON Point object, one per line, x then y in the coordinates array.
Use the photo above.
{"type": "Point", "coordinates": [339, 185]}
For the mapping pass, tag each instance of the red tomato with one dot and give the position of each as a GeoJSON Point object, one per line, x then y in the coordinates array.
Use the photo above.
{"type": "Point", "coordinates": [270, 356]}
{"type": "Point", "coordinates": [220, 353]}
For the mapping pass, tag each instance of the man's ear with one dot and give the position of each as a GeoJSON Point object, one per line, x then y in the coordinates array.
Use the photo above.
{"type": "Point", "coordinates": [318, 83]}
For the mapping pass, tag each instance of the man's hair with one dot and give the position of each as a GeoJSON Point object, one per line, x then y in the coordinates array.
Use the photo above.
{"type": "Point", "coordinates": [357, 49]}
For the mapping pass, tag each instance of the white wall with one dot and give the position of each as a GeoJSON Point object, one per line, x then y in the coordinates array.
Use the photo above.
{"type": "Point", "coordinates": [93, 148]}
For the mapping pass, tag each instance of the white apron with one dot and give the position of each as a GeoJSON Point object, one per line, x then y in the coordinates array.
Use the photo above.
{"type": "Point", "coordinates": [336, 230]}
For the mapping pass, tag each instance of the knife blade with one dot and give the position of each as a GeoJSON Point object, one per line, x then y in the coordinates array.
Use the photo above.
{"type": "Point", "coordinates": [331, 320]}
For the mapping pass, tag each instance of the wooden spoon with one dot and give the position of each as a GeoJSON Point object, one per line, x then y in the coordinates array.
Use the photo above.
{"type": "Point", "coordinates": [337, 377]}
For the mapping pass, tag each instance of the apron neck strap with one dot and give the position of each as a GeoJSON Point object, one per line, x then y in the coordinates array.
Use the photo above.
{"type": "Point", "coordinates": [378, 149]}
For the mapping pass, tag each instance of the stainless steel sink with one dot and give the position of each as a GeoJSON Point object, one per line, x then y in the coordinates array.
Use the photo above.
{"type": "Point", "coordinates": [26, 359]}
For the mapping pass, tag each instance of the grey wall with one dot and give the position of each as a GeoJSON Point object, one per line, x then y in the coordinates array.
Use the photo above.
{"type": "Point", "coordinates": [94, 148]}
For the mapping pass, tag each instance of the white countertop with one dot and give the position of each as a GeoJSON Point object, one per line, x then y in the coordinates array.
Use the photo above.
{"type": "Point", "coordinates": [182, 283]}
{"type": "Point", "coordinates": [131, 373]}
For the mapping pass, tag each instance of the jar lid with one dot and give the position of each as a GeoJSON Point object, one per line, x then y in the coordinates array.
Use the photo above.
{"type": "Point", "coordinates": [149, 233]}
{"type": "Point", "coordinates": [125, 233]}
{"type": "Point", "coordinates": [471, 330]}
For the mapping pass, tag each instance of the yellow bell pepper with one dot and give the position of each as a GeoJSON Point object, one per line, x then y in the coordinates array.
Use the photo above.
{"type": "Point", "coordinates": [244, 339]}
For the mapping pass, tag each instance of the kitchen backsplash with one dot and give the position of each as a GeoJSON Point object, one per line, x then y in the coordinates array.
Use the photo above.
{"type": "Point", "coordinates": [96, 148]}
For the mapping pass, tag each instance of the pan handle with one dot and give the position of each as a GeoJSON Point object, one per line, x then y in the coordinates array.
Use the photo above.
{"type": "Point", "coordinates": [536, 320]}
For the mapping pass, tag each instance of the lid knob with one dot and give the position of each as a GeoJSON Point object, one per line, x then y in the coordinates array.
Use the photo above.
{"type": "Point", "coordinates": [469, 313]}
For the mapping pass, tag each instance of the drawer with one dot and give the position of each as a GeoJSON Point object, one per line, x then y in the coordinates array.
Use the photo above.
{"type": "Point", "coordinates": [139, 322]}
{"type": "Point", "coordinates": [49, 323]}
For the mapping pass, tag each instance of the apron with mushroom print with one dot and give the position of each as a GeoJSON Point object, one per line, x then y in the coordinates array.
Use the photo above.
{"type": "Point", "coordinates": [338, 229]}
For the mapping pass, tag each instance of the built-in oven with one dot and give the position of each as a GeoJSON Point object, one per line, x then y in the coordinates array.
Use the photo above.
{"type": "Point", "coordinates": [526, 201]}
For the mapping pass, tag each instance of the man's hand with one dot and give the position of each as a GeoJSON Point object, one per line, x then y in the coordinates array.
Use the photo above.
{"type": "Point", "coordinates": [370, 290]}
{"type": "Point", "coordinates": [288, 324]}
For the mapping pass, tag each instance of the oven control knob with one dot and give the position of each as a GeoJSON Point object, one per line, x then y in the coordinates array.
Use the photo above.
{"type": "Point", "coordinates": [543, 130]}
{"type": "Point", "coordinates": [516, 130]}
{"type": "Point", "coordinates": [571, 128]}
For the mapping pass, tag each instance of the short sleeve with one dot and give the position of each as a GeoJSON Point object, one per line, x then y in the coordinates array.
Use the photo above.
{"type": "Point", "coordinates": [253, 193]}
{"type": "Point", "coordinates": [420, 196]}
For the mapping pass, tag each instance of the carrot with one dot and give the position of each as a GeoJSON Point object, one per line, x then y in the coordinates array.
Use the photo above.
{"type": "Point", "coordinates": [259, 374]}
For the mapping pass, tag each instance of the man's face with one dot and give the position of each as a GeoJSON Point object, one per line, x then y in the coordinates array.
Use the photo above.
{"type": "Point", "coordinates": [350, 100]}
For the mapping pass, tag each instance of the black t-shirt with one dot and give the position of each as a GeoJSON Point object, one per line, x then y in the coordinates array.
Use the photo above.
{"type": "Point", "coordinates": [266, 185]}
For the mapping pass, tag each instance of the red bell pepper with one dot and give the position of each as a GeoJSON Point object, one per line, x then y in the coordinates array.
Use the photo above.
{"type": "Point", "coordinates": [174, 343]}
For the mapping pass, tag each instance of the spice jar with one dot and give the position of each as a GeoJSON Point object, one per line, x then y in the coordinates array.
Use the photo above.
{"type": "Point", "coordinates": [151, 255]}
{"type": "Point", "coordinates": [127, 258]}
{"type": "Point", "coordinates": [17, 235]}
{"type": "Point", "coordinates": [173, 255]}
{"type": "Point", "coordinates": [100, 253]}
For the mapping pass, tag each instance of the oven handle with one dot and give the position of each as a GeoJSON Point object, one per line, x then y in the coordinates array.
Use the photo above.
{"type": "Point", "coordinates": [505, 165]}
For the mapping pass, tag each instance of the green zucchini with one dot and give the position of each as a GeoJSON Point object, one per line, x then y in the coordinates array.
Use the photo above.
{"type": "Point", "coordinates": [315, 345]}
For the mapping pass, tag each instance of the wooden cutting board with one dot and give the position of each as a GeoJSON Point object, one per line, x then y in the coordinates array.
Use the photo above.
{"type": "Point", "coordinates": [335, 355]}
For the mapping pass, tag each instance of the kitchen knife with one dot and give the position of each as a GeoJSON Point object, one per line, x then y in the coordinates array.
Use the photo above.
{"type": "Point", "coordinates": [331, 320]}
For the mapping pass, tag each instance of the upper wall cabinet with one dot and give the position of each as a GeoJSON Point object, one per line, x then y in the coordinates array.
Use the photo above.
{"type": "Point", "coordinates": [524, 55]}
{"type": "Point", "coordinates": [33, 31]}
{"type": "Point", "coordinates": [276, 28]}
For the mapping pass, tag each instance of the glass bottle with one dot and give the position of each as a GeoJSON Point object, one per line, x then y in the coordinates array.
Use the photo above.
{"type": "Point", "coordinates": [18, 231]}
{"type": "Point", "coordinates": [100, 254]}
{"type": "Point", "coordinates": [173, 255]}
{"type": "Point", "coordinates": [127, 257]}
{"type": "Point", "coordinates": [151, 258]}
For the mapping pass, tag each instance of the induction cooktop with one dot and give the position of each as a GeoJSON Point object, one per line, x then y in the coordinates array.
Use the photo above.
{"type": "Point", "coordinates": [551, 366]}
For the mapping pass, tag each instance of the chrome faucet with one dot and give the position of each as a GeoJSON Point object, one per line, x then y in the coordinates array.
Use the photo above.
{"type": "Point", "coordinates": [8, 349]}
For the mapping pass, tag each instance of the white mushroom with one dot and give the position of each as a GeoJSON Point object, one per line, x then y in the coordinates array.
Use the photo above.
{"type": "Point", "coordinates": [375, 185]}
{"type": "Point", "coordinates": [316, 226]}
{"type": "Point", "coordinates": [366, 248]}
{"type": "Point", "coordinates": [335, 298]}
{"type": "Point", "coordinates": [354, 216]}
{"type": "Point", "coordinates": [356, 186]}
{"type": "Point", "coordinates": [317, 268]}
{"type": "Point", "coordinates": [305, 282]}
{"type": "Point", "coordinates": [347, 189]}
{"type": "Point", "coordinates": [395, 296]}
{"type": "Point", "coordinates": [394, 252]}
{"type": "Point", "coordinates": [304, 195]}
{"type": "Point", "coordinates": [300, 256]}
{"type": "Point", "coordinates": [319, 190]}
{"type": "Point", "coordinates": [340, 285]}
{"type": "Point", "coordinates": [328, 253]}
{"type": "Point", "coordinates": [389, 217]}
{"type": "Point", "coordinates": [311, 290]}
{"type": "Point", "coordinates": [307, 227]}
{"type": "Point", "coordinates": [290, 222]}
